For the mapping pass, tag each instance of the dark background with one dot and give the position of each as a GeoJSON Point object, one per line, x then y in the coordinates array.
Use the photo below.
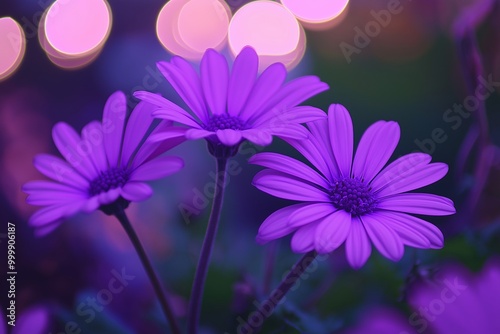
{"type": "Point", "coordinates": [409, 73]}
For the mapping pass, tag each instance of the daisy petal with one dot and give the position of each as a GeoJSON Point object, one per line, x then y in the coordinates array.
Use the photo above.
{"type": "Point", "coordinates": [266, 86]}
{"type": "Point", "coordinates": [332, 231]}
{"type": "Point", "coordinates": [50, 197]}
{"type": "Point", "coordinates": [52, 213]}
{"type": "Point", "coordinates": [419, 178]}
{"type": "Point", "coordinates": [67, 142]}
{"type": "Point", "coordinates": [357, 245]}
{"type": "Point", "coordinates": [310, 213]}
{"type": "Point", "coordinates": [285, 164]}
{"type": "Point", "coordinates": [93, 137]}
{"type": "Point", "coordinates": [181, 83]}
{"type": "Point", "coordinates": [424, 204]}
{"type": "Point", "coordinates": [160, 102]}
{"type": "Point", "coordinates": [276, 225]}
{"type": "Point", "coordinates": [150, 150]}
{"type": "Point", "coordinates": [320, 138]}
{"type": "Point", "coordinates": [296, 115]}
{"type": "Point", "coordinates": [408, 235]}
{"type": "Point", "coordinates": [229, 137]}
{"type": "Point", "coordinates": [194, 134]}
{"type": "Point", "coordinates": [295, 92]}
{"type": "Point", "coordinates": [399, 221]}
{"type": "Point", "coordinates": [341, 137]}
{"type": "Point", "coordinates": [242, 79]}
{"type": "Point", "coordinates": [138, 124]}
{"type": "Point", "coordinates": [113, 120]}
{"type": "Point", "coordinates": [46, 215]}
{"type": "Point", "coordinates": [387, 242]}
{"type": "Point", "coordinates": [136, 191]}
{"type": "Point", "coordinates": [401, 167]}
{"type": "Point", "coordinates": [179, 116]}
{"type": "Point", "coordinates": [303, 238]}
{"type": "Point", "coordinates": [157, 168]}
{"type": "Point", "coordinates": [304, 114]}
{"type": "Point", "coordinates": [375, 148]}
{"type": "Point", "coordinates": [59, 170]}
{"type": "Point", "coordinates": [193, 84]}
{"type": "Point", "coordinates": [170, 133]}
{"type": "Point", "coordinates": [288, 187]}
{"type": "Point", "coordinates": [33, 187]}
{"type": "Point", "coordinates": [109, 196]}
{"type": "Point", "coordinates": [410, 238]}
{"type": "Point", "coordinates": [91, 204]}
{"type": "Point", "coordinates": [214, 80]}
{"type": "Point", "coordinates": [259, 137]}
{"type": "Point", "coordinates": [41, 231]}
{"type": "Point", "coordinates": [293, 131]}
{"type": "Point", "coordinates": [311, 152]}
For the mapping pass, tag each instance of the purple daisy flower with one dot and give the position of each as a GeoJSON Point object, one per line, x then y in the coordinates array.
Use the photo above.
{"type": "Point", "coordinates": [227, 107]}
{"type": "Point", "coordinates": [107, 163]}
{"type": "Point", "coordinates": [355, 201]}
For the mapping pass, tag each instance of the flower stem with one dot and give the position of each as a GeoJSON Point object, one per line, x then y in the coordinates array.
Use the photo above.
{"type": "Point", "coordinates": [206, 249]}
{"type": "Point", "coordinates": [122, 217]}
{"type": "Point", "coordinates": [286, 284]}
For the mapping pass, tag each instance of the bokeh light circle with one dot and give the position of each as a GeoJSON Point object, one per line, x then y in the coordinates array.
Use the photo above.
{"type": "Point", "coordinates": [271, 29]}
{"type": "Point", "coordinates": [316, 11]}
{"type": "Point", "coordinates": [188, 27]}
{"type": "Point", "coordinates": [12, 46]}
{"type": "Point", "coordinates": [78, 27]}
{"type": "Point", "coordinates": [168, 33]}
{"type": "Point", "coordinates": [63, 60]}
{"type": "Point", "coordinates": [203, 24]}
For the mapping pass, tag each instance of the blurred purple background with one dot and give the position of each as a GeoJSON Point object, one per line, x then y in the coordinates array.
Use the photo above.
{"type": "Point", "coordinates": [409, 72]}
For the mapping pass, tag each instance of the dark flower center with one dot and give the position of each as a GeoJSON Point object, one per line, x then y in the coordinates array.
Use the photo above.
{"type": "Point", "coordinates": [353, 196]}
{"type": "Point", "coordinates": [224, 121]}
{"type": "Point", "coordinates": [110, 179]}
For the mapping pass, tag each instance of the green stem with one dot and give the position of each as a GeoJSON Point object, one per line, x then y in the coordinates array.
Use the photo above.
{"type": "Point", "coordinates": [206, 249]}
{"type": "Point", "coordinates": [286, 284]}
